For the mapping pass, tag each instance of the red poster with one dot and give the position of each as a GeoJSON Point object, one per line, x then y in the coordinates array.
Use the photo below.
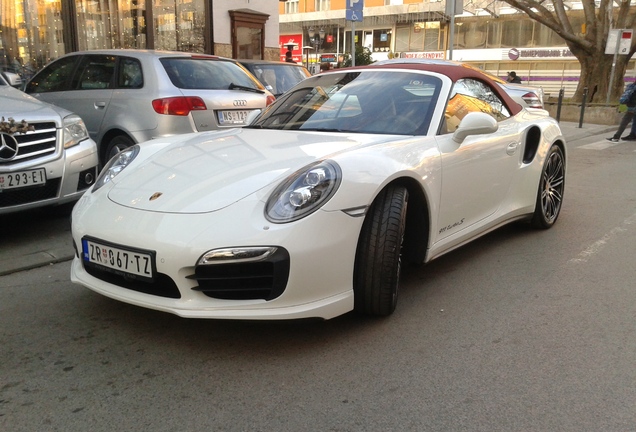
{"type": "Point", "coordinates": [295, 42]}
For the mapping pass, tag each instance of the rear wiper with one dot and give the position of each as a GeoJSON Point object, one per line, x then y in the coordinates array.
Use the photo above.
{"type": "Point", "coordinates": [240, 87]}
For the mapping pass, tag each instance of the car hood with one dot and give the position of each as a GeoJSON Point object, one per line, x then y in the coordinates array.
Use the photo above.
{"type": "Point", "coordinates": [19, 105]}
{"type": "Point", "coordinates": [206, 172]}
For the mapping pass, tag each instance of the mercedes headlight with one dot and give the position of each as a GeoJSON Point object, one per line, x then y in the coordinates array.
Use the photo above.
{"type": "Point", "coordinates": [303, 192]}
{"type": "Point", "coordinates": [74, 131]}
{"type": "Point", "coordinates": [116, 165]}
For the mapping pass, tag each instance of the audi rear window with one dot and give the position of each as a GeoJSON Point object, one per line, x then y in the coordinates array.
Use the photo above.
{"type": "Point", "coordinates": [207, 74]}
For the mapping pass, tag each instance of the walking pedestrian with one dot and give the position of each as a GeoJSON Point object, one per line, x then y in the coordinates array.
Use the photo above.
{"type": "Point", "coordinates": [629, 99]}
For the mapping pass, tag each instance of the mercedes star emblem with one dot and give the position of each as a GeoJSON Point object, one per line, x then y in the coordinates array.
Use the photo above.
{"type": "Point", "coordinates": [8, 147]}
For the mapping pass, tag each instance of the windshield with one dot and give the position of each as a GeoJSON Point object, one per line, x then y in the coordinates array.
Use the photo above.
{"type": "Point", "coordinates": [364, 101]}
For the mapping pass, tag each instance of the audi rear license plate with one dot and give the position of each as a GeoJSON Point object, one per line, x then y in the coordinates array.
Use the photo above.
{"type": "Point", "coordinates": [22, 179]}
{"type": "Point", "coordinates": [236, 117]}
{"type": "Point", "coordinates": [121, 260]}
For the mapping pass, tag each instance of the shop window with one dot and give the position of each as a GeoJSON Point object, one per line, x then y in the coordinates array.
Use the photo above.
{"type": "Point", "coordinates": [121, 25]}
{"type": "Point", "coordinates": [179, 26]}
{"type": "Point", "coordinates": [382, 40]}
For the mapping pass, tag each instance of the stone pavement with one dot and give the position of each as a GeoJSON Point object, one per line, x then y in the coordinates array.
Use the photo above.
{"type": "Point", "coordinates": [50, 250]}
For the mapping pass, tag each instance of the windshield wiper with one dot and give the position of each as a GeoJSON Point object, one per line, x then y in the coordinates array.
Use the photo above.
{"type": "Point", "coordinates": [323, 130]}
{"type": "Point", "coordinates": [240, 87]}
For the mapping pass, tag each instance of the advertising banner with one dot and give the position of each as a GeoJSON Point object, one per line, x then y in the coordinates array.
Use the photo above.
{"type": "Point", "coordinates": [293, 41]}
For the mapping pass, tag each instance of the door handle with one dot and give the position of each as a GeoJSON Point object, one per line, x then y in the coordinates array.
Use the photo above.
{"type": "Point", "coordinates": [512, 148]}
{"type": "Point", "coordinates": [100, 105]}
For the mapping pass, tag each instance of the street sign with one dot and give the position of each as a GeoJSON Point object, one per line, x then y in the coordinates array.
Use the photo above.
{"type": "Point", "coordinates": [620, 37]}
{"type": "Point", "coordinates": [352, 15]}
{"type": "Point", "coordinates": [354, 10]}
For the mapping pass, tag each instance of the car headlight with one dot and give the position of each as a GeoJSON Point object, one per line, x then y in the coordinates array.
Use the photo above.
{"type": "Point", "coordinates": [116, 165]}
{"type": "Point", "coordinates": [74, 131]}
{"type": "Point", "coordinates": [303, 192]}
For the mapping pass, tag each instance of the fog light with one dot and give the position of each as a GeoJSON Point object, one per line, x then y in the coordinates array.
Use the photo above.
{"type": "Point", "coordinates": [89, 178]}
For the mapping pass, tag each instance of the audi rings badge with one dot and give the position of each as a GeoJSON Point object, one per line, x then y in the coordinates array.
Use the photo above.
{"type": "Point", "coordinates": [8, 147]}
{"type": "Point", "coordinates": [240, 103]}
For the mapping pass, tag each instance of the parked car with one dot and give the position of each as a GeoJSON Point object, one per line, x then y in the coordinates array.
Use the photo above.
{"type": "Point", "coordinates": [311, 210]}
{"type": "Point", "coordinates": [130, 96]}
{"type": "Point", "coordinates": [46, 155]}
{"type": "Point", "coordinates": [524, 95]}
{"type": "Point", "coordinates": [277, 77]}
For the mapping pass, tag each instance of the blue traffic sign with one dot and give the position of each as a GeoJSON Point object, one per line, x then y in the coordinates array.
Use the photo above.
{"type": "Point", "coordinates": [356, 5]}
{"type": "Point", "coordinates": [353, 15]}
{"type": "Point", "coordinates": [354, 10]}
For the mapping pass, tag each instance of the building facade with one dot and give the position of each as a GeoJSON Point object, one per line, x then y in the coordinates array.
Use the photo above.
{"type": "Point", "coordinates": [488, 34]}
{"type": "Point", "coordinates": [34, 32]}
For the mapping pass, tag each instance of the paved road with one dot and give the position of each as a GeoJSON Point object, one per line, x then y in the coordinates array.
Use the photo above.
{"type": "Point", "coordinates": [522, 330]}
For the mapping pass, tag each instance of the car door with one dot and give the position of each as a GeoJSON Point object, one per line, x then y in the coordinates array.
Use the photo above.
{"type": "Point", "coordinates": [92, 90]}
{"type": "Point", "coordinates": [87, 89]}
{"type": "Point", "coordinates": [476, 173]}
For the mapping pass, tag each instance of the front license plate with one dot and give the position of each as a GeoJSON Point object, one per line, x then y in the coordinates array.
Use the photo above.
{"type": "Point", "coordinates": [233, 117]}
{"type": "Point", "coordinates": [23, 178]}
{"type": "Point", "coordinates": [118, 259]}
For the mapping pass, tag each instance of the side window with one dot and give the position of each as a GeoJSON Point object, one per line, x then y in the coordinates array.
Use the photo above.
{"type": "Point", "coordinates": [470, 95]}
{"type": "Point", "coordinates": [95, 72]}
{"type": "Point", "coordinates": [130, 75]}
{"type": "Point", "coordinates": [54, 77]}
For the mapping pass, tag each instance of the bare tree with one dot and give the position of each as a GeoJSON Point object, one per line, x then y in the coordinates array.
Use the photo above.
{"type": "Point", "coordinates": [589, 46]}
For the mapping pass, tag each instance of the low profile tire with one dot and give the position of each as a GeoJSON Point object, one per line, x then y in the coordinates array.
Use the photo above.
{"type": "Point", "coordinates": [551, 188]}
{"type": "Point", "coordinates": [378, 257]}
{"type": "Point", "coordinates": [115, 145]}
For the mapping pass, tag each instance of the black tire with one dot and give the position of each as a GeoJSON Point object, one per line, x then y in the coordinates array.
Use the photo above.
{"type": "Point", "coordinates": [551, 188]}
{"type": "Point", "coordinates": [115, 145]}
{"type": "Point", "coordinates": [378, 257]}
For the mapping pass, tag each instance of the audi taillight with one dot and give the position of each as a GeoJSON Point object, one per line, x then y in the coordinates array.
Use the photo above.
{"type": "Point", "coordinates": [270, 100]}
{"type": "Point", "coordinates": [180, 106]}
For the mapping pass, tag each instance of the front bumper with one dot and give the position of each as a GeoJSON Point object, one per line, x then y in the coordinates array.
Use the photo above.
{"type": "Point", "coordinates": [67, 178]}
{"type": "Point", "coordinates": [321, 254]}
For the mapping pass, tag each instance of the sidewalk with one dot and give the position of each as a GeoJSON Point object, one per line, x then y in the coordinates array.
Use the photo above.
{"type": "Point", "coordinates": [572, 132]}
{"type": "Point", "coordinates": [50, 250]}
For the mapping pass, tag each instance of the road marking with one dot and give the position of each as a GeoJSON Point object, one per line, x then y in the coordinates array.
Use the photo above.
{"type": "Point", "coordinates": [599, 145]}
{"type": "Point", "coordinates": [598, 245]}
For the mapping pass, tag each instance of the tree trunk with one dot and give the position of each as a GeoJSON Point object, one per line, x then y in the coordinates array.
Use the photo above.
{"type": "Point", "coordinates": [596, 72]}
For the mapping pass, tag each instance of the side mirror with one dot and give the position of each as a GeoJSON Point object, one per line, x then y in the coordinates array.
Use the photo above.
{"type": "Point", "coordinates": [252, 116]}
{"type": "Point", "coordinates": [13, 79]}
{"type": "Point", "coordinates": [475, 123]}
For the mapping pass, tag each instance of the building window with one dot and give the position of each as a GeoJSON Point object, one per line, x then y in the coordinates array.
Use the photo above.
{"type": "Point", "coordinates": [248, 34]}
{"type": "Point", "coordinates": [122, 25]}
{"type": "Point", "coordinates": [31, 35]}
{"type": "Point", "coordinates": [291, 6]}
{"type": "Point", "coordinates": [420, 37]}
{"type": "Point", "coordinates": [179, 26]}
{"type": "Point", "coordinates": [323, 5]}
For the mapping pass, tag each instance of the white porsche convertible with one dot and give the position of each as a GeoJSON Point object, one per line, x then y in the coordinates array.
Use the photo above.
{"type": "Point", "coordinates": [312, 209]}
